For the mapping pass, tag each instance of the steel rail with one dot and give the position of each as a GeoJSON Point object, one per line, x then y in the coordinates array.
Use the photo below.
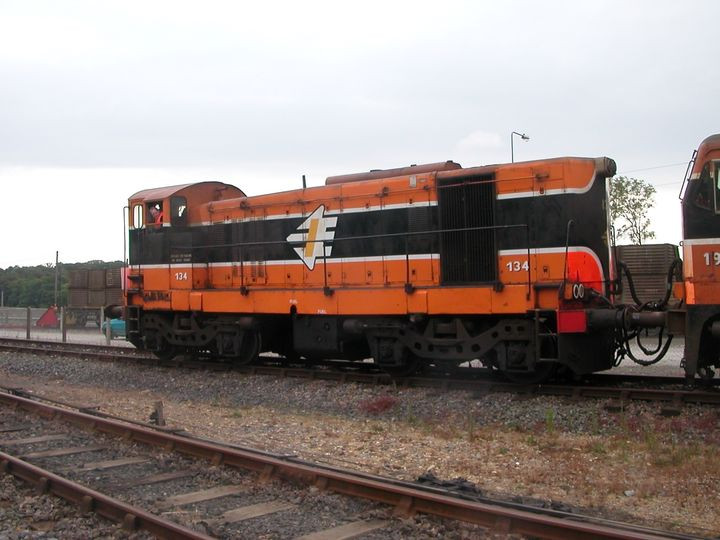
{"type": "Point", "coordinates": [89, 500]}
{"type": "Point", "coordinates": [291, 457]}
{"type": "Point", "coordinates": [476, 383]}
{"type": "Point", "coordinates": [407, 500]}
{"type": "Point", "coordinates": [60, 347]}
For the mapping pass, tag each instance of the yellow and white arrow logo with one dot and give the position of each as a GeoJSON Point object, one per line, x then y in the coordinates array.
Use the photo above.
{"type": "Point", "coordinates": [313, 231]}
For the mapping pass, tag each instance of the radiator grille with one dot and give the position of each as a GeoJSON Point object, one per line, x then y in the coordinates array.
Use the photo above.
{"type": "Point", "coordinates": [467, 256]}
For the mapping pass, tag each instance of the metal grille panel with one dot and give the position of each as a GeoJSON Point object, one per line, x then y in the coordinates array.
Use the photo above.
{"type": "Point", "coordinates": [649, 264]}
{"type": "Point", "coordinates": [468, 255]}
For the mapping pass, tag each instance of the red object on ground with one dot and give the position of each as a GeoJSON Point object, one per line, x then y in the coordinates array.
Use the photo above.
{"type": "Point", "coordinates": [49, 319]}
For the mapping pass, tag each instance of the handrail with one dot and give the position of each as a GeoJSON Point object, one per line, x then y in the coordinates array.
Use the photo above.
{"type": "Point", "coordinates": [688, 171]}
{"type": "Point", "coordinates": [350, 238]}
{"type": "Point", "coordinates": [405, 235]}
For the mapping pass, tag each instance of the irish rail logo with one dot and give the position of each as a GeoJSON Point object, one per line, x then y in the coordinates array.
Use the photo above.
{"type": "Point", "coordinates": [310, 235]}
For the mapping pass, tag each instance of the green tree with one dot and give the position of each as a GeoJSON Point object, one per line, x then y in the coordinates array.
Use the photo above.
{"type": "Point", "coordinates": [630, 201]}
{"type": "Point", "coordinates": [34, 286]}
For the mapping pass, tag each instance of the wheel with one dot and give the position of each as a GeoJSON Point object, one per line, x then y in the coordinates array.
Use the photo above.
{"type": "Point", "coordinates": [543, 370]}
{"type": "Point", "coordinates": [166, 352]}
{"type": "Point", "coordinates": [249, 348]}
{"type": "Point", "coordinates": [393, 357]}
{"type": "Point", "coordinates": [410, 364]}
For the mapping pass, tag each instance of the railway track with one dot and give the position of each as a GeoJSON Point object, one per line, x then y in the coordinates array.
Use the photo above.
{"type": "Point", "coordinates": [158, 481]}
{"type": "Point", "coordinates": [671, 390]}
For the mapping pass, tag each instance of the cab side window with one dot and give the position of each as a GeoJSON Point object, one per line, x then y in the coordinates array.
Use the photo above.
{"type": "Point", "coordinates": [154, 213]}
{"type": "Point", "coordinates": [704, 195]}
{"type": "Point", "coordinates": [138, 216]}
{"type": "Point", "coordinates": [178, 209]}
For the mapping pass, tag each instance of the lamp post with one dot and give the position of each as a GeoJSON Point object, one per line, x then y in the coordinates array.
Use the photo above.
{"type": "Point", "coordinates": [512, 149]}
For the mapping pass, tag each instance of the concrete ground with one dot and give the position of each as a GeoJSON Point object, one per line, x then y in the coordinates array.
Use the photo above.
{"type": "Point", "coordinates": [90, 335]}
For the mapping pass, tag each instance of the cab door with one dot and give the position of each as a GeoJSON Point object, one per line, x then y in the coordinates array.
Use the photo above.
{"type": "Point", "coordinates": [186, 272]}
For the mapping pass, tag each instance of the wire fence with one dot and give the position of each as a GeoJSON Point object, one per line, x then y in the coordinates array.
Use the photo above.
{"type": "Point", "coordinates": [54, 324]}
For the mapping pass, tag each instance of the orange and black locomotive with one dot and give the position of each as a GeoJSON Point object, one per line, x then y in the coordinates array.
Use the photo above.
{"type": "Point", "coordinates": [508, 264]}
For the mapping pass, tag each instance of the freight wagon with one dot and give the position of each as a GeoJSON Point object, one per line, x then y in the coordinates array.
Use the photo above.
{"type": "Point", "coordinates": [90, 291]}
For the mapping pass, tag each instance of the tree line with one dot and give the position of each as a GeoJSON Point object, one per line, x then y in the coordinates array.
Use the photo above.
{"type": "Point", "coordinates": [34, 286]}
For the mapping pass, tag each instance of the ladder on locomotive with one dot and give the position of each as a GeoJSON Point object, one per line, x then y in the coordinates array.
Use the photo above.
{"type": "Point", "coordinates": [542, 331]}
{"type": "Point", "coordinates": [132, 321]}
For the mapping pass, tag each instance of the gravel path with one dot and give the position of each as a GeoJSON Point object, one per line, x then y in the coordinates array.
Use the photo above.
{"type": "Point", "coordinates": [662, 471]}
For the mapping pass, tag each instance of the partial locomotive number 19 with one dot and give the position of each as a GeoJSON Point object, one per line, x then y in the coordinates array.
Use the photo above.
{"type": "Point", "coordinates": [180, 276]}
{"type": "Point", "coordinates": [517, 266]}
{"type": "Point", "coordinates": [712, 259]}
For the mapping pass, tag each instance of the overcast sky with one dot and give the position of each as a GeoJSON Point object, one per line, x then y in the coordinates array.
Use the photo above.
{"type": "Point", "coordinates": [99, 100]}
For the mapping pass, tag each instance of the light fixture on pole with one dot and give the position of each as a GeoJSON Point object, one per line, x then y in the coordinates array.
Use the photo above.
{"type": "Point", "coordinates": [512, 150]}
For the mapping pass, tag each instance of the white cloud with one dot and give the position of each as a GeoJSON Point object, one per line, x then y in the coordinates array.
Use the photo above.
{"type": "Point", "coordinates": [99, 99]}
{"type": "Point", "coordinates": [482, 147]}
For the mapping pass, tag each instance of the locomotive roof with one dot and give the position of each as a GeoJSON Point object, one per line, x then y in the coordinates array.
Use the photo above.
{"type": "Point", "coordinates": [389, 173]}
{"type": "Point", "coordinates": [168, 191]}
{"type": "Point", "coordinates": [158, 193]}
{"type": "Point", "coordinates": [449, 169]}
{"type": "Point", "coordinates": [708, 149]}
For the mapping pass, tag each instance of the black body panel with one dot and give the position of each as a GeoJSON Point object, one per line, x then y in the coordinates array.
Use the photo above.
{"type": "Point", "coordinates": [519, 223]}
{"type": "Point", "coordinates": [547, 217]}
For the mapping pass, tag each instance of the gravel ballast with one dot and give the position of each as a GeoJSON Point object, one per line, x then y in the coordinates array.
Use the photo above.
{"type": "Point", "coordinates": [313, 509]}
{"type": "Point", "coordinates": [661, 471]}
{"type": "Point", "coordinates": [25, 515]}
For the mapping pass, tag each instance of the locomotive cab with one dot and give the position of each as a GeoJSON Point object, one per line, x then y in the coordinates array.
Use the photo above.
{"type": "Point", "coordinates": [701, 267]}
{"type": "Point", "coordinates": [160, 234]}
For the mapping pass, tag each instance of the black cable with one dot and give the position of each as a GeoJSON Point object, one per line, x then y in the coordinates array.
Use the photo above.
{"type": "Point", "coordinates": [646, 351]}
{"type": "Point", "coordinates": [624, 336]}
{"type": "Point", "coordinates": [654, 360]}
{"type": "Point", "coordinates": [595, 294]}
{"type": "Point", "coordinates": [626, 346]}
{"type": "Point", "coordinates": [631, 283]}
{"type": "Point", "coordinates": [669, 281]}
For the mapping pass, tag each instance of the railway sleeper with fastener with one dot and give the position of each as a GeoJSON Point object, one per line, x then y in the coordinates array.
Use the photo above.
{"type": "Point", "coordinates": [71, 449]}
